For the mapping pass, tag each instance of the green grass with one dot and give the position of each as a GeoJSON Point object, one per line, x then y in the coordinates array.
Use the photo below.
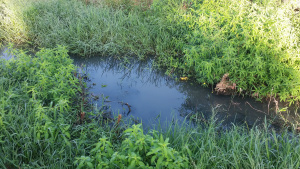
{"type": "Point", "coordinates": [85, 30]}
{"type": "Point", "coordinates": [205, 145]}
{"type": "Point", "coordinates": [213, 147]}
{"type": "Point", "coordinates": [256, 42]}
{"type": "Point", "coordinates": [40, 104]}
{"type": "Point", "coordinates": [13, 27]}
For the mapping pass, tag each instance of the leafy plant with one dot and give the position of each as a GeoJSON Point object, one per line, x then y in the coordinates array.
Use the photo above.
{"type": "Point", "coordinates": [36, 94]}
{"type": "Point", "coordinates": [137, 151]}
{"type": "Point", "coordinates": [39, 129]}
{"type": "Point", "coordinates": [256, 43]}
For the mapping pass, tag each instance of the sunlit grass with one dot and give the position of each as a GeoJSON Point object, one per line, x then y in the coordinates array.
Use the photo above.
{"type": "Point", "coordinates": [13, 27]}
{"type": "Point", "coordinates": [257, 43]}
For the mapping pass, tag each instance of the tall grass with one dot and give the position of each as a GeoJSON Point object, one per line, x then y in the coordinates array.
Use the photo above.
{"type": "Point", "coordinates": [39, 102]}
{"type": "Point", "coordinates": [41, 127]}
{"type": "Point", "coordinates": [85, 29]}
{"type": "Point", "coordinates": [256, 42]}
{"type": "Point", "coordinates": [13, 27]}
{"type": "Point", "coordinates": [205, 145]}
{"type": "Point", "coordinates": [210, 146]}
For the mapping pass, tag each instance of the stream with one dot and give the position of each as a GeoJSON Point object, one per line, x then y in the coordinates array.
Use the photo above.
{"type": "Point", "coordinates": [151, 95]}
{"type": "Point", "coordinates": [138, 91]}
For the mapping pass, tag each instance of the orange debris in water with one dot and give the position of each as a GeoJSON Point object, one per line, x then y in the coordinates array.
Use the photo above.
{"type": "Point", "coordinates": [119, 119]}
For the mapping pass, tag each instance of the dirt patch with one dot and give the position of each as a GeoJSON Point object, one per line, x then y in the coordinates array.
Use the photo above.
{"type": "Point", "coordinates": [225, 86]}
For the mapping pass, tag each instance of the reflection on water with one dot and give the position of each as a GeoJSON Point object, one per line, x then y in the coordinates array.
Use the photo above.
{"type": "Point", "coordinates": [152, 94]}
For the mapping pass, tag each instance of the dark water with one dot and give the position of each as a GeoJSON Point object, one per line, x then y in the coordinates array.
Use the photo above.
{"type": "Point", "coordinates": [134, 89]}
{"type": "Point", "coordinates": [154, 95]}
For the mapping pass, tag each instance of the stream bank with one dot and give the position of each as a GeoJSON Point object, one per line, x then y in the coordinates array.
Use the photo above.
{"type": "Point", "coordinates": [41, 99]}
{"type": "Point", "coordinates": [139, 92]}
{"type": "Point", "coordinates": [135, 89]}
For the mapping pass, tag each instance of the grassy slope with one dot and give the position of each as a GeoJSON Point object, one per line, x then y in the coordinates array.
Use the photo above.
{"type": "Point", "coordinates": [34, 134]}
{"type": "Point", "coordinates": [257, 43]}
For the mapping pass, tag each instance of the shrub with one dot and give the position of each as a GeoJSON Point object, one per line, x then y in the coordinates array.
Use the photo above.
{"type": "Point", "coordinates": [36, 116]}
{"type": "Point", "coordinates": [256, 43]}
{"type": "Point", "coordinates": [137, 151]}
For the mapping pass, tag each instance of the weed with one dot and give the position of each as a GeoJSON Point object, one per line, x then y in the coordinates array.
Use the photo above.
{"type": "Point", "coordinates": [38, 111]}
{"type": "Point", "coordinates": [39, 104]}
{"type": "Point", "coordinates": [137, 150]}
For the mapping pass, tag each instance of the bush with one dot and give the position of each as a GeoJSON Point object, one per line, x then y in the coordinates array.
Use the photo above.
{"type": "Point", "coordinates": [37, 111]}
{"type": "Point", "coordinates": [257, 44]}
{"type": "Point", "coordinates": [136, 151]}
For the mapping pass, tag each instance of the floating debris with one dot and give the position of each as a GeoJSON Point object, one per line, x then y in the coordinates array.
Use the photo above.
{"type": "Point", "coordinates": [183, 78]}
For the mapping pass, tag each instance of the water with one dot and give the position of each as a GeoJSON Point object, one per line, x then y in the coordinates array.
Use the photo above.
{"type": "Point", "coordinates": [135, 89]}
{"type": "Point", "coordinates": [153, 95]}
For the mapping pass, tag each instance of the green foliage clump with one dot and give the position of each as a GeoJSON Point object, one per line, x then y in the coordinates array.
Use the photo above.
{"type": "Point", "coordinates": [36, 116]}
{"type": "Point", "coordinates": [256, 43]}
{"type": "Point", "coordinates": [136, 151]}
{"type": "Point", "coordinates": [212, 146]}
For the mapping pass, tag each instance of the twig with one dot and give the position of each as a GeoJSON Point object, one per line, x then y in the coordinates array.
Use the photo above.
{"type": "Point", "coordinates": [122, 103]}
{"type": "Point", "coordinates": [255, 108]}
{"type": "Point", "coordinates": [119, 119]}
{"type": "Point", "coordinates": [276, 105]}
{"type": "Point", "coordinates": [129, 109]}
{"type": "Point", "coordinates": [234, 104]}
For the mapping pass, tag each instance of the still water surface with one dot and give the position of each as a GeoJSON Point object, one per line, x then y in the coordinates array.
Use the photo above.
{"type": "Point", "coordinates": [152, 95]}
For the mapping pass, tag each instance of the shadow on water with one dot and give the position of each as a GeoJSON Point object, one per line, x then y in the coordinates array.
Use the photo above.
{"type": "Point", "coordinates": [151, 95]}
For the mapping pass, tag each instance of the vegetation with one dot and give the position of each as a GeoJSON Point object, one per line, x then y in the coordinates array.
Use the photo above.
{"type": "Point", "coordinates": [43, 120]}
{"type": "Point", "coordinates": [137, 151]}
{"type": "Point", "coordinates": [41, 127]}
{"type": "Point", "coordinates": [36, 115]}
{"type": "Point", "coordinates": [256, 42]}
